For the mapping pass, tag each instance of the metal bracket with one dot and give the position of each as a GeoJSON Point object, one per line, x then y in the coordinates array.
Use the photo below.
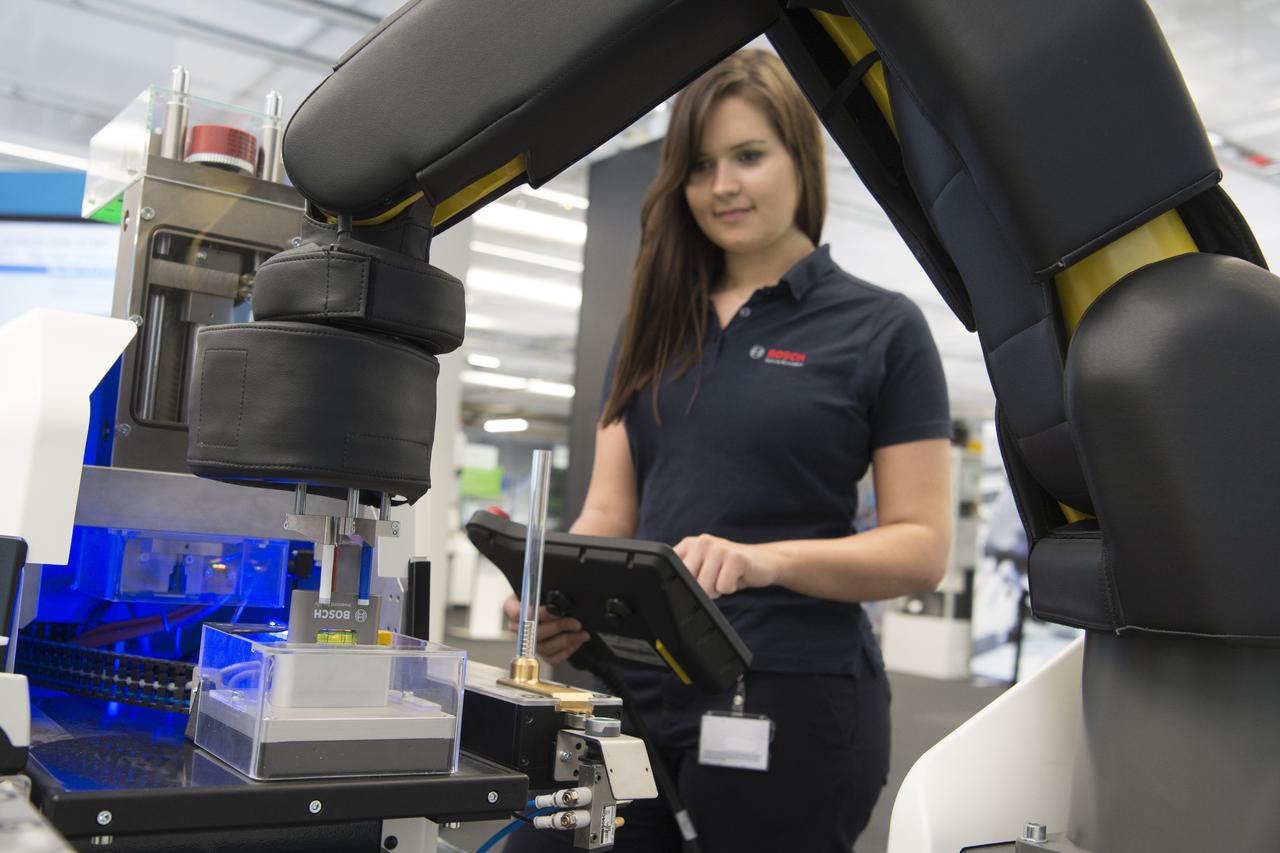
{"type": "Point", "coordinates": [410, 834]}
{"type": "Point", "coordinates": [328, 530]}
{"type": "Point", "coordinates": [625, 758]}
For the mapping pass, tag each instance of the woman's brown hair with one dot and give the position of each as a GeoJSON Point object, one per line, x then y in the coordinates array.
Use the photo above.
{"type": "Point", "coordinates": [677, 266]}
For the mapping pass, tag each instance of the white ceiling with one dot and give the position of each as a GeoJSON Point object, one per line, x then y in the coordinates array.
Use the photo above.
{"type": "Point", "coordinates": [68, 66]}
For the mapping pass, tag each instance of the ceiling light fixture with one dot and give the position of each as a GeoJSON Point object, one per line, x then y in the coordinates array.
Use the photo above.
{"type": "Point", "coordinates": [531, 223]}
{"type": "Point", "coordinates": [507, 382]}
{"type": "Point", "coordinates": [537, 258]}
{"type": "Point", "coordinates": [524, 287]}
{"type": "Point", "coordinates": [550, 389]}
{"type": "Point", "coordinates": [506, 425]}
{"type": "Point", "coordinates": [494, 380]}
{"type": "Point", "coordinates": [569, 200]}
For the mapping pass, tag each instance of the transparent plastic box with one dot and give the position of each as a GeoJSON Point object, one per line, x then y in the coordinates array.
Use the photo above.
{"type": "Point", "coordinates": [274, 709]}
{"type": "Point", "coordinates": [145, 566]}
{"type": "Point", "coordinates": [118, 152]}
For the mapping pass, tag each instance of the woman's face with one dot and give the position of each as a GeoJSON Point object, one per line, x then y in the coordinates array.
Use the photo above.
{"type": "Point", "coordinates": [743, 187]}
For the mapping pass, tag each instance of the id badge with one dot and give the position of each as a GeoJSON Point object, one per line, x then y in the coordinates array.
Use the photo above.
{"type": "Point", "coordinates": [730, 739]}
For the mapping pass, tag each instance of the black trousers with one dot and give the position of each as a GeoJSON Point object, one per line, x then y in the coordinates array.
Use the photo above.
{"type": "Point", "coordinates": [828, 762]}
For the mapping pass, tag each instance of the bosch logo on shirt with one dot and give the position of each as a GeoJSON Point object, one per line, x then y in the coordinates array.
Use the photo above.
{"type": "Point", "coordinates": [773, 355]}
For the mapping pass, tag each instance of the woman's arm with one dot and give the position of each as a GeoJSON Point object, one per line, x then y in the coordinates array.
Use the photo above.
{"type": "Point", "coordinates": [906, 553]}
{"type": "Point", "coordinates": [609, 510]}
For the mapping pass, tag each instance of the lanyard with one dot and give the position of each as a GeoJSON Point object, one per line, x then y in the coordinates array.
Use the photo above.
{"type": "Point", "coordinates": [740, 695]}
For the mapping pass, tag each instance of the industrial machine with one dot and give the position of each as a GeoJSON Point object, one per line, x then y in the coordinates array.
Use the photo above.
{"type": "Point", "coordinates": [1044, 162]}
{"type": "Point", "coordinates": [214, 667]}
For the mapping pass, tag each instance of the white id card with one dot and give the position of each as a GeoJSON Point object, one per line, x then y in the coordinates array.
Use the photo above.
{"type": "Point", "coordinates": [735, 740]}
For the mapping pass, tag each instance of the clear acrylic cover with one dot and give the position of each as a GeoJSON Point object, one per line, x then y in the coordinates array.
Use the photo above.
{"type": "Point", "coordinates": [279, 710]}
{"type": "Point", "coordinates": [118, 153]}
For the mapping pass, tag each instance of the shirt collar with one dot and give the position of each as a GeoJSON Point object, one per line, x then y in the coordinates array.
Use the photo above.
{"type": "Point", "coordinates": [807, 271]}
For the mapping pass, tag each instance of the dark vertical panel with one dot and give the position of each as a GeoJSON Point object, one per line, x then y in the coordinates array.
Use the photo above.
{"type": "Point", "coordinates": [615, 188]}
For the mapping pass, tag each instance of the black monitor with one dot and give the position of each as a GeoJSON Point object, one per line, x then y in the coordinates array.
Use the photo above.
{"type": "Point", "coordinates": [635, 598]}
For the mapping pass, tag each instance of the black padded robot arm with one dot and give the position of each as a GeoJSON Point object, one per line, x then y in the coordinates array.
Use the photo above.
{"type": "Point", "coordinates": [485, 94]}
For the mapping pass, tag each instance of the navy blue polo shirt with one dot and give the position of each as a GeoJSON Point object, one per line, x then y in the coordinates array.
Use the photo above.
{"type": "Point", "coordinates": [808, 378]}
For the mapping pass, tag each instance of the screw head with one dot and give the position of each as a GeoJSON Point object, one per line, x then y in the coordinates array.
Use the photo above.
{"type": "Point", "coordinates": [136, 319]}
{"type": "Point", "coordinates": [565, 756]}
{"type": "Point", "coordinates": [147, 213]}
{"type": "Point", "coordinates": [124, 429]}
{"type": "Point", "coordinates": [295, 242]}
{"type": "Point", "coordinates": [104, 817]}
{"type": "Point", "coordinates": [315, 806]}
{"type": "Point", "coordinates": [395, 528]}
{"type": "Point", "coordinates": [493, 797]}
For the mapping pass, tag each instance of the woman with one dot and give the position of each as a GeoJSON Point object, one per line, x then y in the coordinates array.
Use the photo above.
{"type": "Point", "coordinates": [753, 383]}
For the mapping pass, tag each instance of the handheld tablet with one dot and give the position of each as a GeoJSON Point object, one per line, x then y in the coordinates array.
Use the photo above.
{"type": "Point", "coordinates": [635, 598]}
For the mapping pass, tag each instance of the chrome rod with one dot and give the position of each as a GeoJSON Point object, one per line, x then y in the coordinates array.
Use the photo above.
{"type": "Point", "coordinates": [535, 544]}
{"type": "Point", "coordinates": [175, 118]}
{"type": "Point", "coordinates": [151, 364]}
{"type": "Point", "coordinates": [271, 165]}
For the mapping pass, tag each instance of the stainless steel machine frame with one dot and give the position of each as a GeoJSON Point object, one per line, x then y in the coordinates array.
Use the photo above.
{"type": "Point", "coordinates": [218, 209]}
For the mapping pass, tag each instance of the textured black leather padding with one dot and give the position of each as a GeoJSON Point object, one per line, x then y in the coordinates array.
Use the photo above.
{"type": "Point", "coordinates": [357, 286]}
{"type": "Point", "coordinates": [1016, 315]}
{"type": "Point", "coordinates": [1171, 382]}
{"type": "Point", "coordinates": [1070, 580]}
{"type": "Point", "coordinates": [1216, 226]}
{"type": "Point", "coordinates": [867, 141]}
{"type": "Point", "coordinates": [1070, 119]}
{"type": "Point", "coordinates": [447, 92]}
{"type": "Point", "coordinates": [307, 403]}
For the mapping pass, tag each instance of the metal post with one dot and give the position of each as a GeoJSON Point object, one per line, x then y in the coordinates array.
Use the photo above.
{"type": "Point", "coordinates": [384, 507]}
{"type": "Point", "coordinates": [353, 503]}
{"type": "Point", "coordinates": [300, 499]}
{"type": "Point", "coordinates": [151, 366]}
{"type": "Point", "coordinates": [535, 543]}
{"type": "Point", "coordinates": [175, 120]}
{"type": "Point", "coordinates": [272, 168]}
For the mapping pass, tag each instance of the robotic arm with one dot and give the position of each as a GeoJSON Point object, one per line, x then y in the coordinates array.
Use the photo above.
{"type": "Point", "coordinates": [1040, 158]}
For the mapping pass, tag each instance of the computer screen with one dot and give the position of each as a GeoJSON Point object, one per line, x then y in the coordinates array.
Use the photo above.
{"type": "Point", "coordinates": [64, 264]}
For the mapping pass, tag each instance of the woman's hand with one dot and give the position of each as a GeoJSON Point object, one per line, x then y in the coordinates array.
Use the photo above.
{"type": "Point", "coordinates": [723, 567]}
{"type": "Point", "coordinates": [558, 636]}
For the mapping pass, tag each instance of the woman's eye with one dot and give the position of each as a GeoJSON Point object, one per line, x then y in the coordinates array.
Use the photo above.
{"type": "Point", "coordinates": [700, 166]}
{"type": "Point", "coordinates": [750, 156]}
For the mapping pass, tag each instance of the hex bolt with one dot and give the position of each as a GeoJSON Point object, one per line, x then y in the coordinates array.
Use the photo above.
{"type": "Point", "coordinates": [565, 756]}
{"type": "Point", "coordinates": [1035, 832]}
{"type": "Point", "coordinates": [315, 806]}
{"type": "Point", "coordinates": [124, 429]}
{"type": "Point", "coordinates": [147, 213]}
{"type": "Point", "coordinates": [493, 797]}
{"type": "Point", "coordinates": [104, 817]}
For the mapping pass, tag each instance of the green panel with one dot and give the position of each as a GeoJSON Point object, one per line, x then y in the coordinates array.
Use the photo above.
{"type": "Point", "coordinates": [109, 212]}
{"type": "Point", "coordinates": [481, 483]}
